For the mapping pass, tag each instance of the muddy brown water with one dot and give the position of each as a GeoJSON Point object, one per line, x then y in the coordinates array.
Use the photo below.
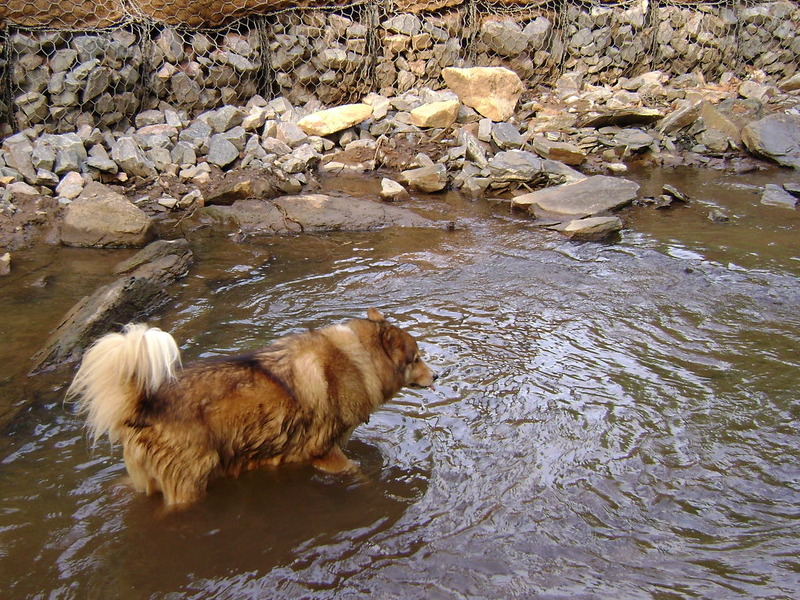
{"type": "Point", "coordinates": [612, 420]}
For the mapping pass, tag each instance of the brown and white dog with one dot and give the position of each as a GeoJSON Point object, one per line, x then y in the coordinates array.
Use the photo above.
{"type": "Point", "coordinates": [297, 400]}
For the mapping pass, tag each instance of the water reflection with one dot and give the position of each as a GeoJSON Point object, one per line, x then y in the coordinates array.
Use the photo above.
{"type": "Point", "coordinates": [611, 420]}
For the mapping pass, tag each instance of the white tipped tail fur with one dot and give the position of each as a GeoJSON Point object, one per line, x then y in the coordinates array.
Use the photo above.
{"type": "Point", "coordinates": [117, 370]}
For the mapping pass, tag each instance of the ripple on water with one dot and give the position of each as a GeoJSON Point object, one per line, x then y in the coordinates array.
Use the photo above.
{"type": "Point", "coordinates": [609, 420]}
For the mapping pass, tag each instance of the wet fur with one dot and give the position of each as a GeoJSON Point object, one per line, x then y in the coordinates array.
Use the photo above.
{"type": "Point", "coordinates": [296, 400]}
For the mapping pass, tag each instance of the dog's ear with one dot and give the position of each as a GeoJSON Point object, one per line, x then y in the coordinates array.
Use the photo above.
{"type": "Point", "coordinates": [394, 345]}
{"type": "Point", "coordinates": [373, 314]}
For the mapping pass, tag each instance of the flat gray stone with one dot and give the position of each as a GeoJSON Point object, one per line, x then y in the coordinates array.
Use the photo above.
{"type": "Point", "coordinates": [775, 195]}
{"type": "Point", "coordinates": [776, 137]}
{"type": "Point", "coordinates": [304, 213]}
{"type": "Point", "coordinates": [585, 198]}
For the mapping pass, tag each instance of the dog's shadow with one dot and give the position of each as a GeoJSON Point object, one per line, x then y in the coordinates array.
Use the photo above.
{"type": "Point", "coordinates": [262, 520]}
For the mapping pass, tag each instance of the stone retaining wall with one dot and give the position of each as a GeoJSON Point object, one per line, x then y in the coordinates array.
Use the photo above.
{"type": "Point", "coordinates": [59, 78]}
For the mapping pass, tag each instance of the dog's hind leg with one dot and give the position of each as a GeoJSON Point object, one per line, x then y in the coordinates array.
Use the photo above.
{"type": "Point", "coordinates": [185, 479]}
{"type": "Point", "coordinates": [136, 464]}
{"type": "Point", "coordinates": [335, 461]}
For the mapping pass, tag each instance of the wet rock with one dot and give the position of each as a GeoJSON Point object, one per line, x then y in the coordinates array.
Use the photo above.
{"type": "Point", "coordinates": [776, 137]}
{"type": "Point", "coordinates": [5, 264]}
{"type": "Point", "coordinates": [391, 191]}
{"type": "Point", "coordinates": [591, 229]}
{"type": "Point", "coordinates": [436, 114]}
{"type": "Point", "coordinates": [492, 91]}
{"type": "Point", "coordinates": [142, 288]}
{"type": "Point", "coordinates": [101, 218]}
{"type": "Point", "coordinates": [675, 195]}
{"type": "Point", "coordinates": [717, 216]}
{"type": "Point", "coordinates": [564, 152]}
{"type": "Point", "coordinates": [326, 122]}
{"type": "Point", "coordinates": [304, 213]}
{"type": "Point", "coordinates": [793, 188]}
{"type": "Point", "coordinates": [431, 178]}
{"type": "Point", "coordinates": [776, 195]}
{"type": "Point", "coordinates": [585, 198]}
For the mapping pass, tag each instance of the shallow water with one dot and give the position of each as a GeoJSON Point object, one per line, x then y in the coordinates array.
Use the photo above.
{"type": "Point", "coordinates": [612, 420]}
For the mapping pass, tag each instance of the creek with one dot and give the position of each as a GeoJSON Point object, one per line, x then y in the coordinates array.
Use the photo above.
{"type": "Point", "coordinates": [612, 419]}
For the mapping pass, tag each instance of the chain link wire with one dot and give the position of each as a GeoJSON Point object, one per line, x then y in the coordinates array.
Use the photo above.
{"type": "Point", "coordinates": [104, 61]}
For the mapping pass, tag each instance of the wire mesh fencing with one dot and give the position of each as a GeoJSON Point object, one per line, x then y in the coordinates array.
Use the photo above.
{"type": "Point", "coordinates": [101, 62]}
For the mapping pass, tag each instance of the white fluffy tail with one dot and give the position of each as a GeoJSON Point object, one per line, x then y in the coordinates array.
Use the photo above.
{"type": "Point", "coordinates": [117, 370]}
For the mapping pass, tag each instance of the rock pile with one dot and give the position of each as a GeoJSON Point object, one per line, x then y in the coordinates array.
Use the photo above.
{"type": "Point", "coordinates": [432, 140]}
{"type": "Point", "coordinates": [65, 79]}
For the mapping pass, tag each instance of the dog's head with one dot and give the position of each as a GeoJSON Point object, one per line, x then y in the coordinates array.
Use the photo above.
{"type": "Point", "coordinates": [403, 352]}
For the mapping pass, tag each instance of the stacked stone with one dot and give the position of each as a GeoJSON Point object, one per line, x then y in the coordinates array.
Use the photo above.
{"type": "Point", "coordinates": [689, 39]}
{"type": "Point", "coordinates": [196, 70]}
{"type": "Point", "coordinates": [5, 108]}
{"type": "Point", "coordinates": [528, 46]}
{"type": "Point", "coordinates": [606, 42]}
{"type": "Point", "coordinates": [414, 49]}
{"type": "Point", "coordinates": [323, 55]}
{"type": "Point", "coordinates": [769, 38]}
{"type": "Point", "coordinates": [61, 79]}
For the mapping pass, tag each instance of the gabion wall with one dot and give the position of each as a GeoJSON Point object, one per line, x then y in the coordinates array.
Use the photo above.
{"type": "Point", "coordinates": [62, 66]}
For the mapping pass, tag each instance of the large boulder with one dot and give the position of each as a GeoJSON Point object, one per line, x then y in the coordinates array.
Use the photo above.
{"type": "Point", "coordinates": [102, 218]}
{"type": "Point", "coordinates": [141, 287]}
{"type": "Point", "coordinates": [585, 198]}
{"type": "Point", "coordinates": [302, 214]}
{"type": "Point", "coordinates": [492, 91]}
{"type": "Point", "coordinates": [776, 137]}
{"type": "Point", "coordinates": [331, 120]}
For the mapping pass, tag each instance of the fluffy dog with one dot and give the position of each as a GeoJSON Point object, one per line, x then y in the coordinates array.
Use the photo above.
{"type": "Point", "coordinates": [297, 400]}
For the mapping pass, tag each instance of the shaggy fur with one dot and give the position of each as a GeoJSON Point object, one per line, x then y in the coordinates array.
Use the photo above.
{"type": "Point", "coordinates": [296, 400]}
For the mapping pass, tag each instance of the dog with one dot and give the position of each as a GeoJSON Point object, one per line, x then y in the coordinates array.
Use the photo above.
{"type": "Point", "coordinates": [295, 401]}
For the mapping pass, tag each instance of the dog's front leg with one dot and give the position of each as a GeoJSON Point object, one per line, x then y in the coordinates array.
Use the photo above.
{"type": "Point", "coordinates": [335, 461]}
